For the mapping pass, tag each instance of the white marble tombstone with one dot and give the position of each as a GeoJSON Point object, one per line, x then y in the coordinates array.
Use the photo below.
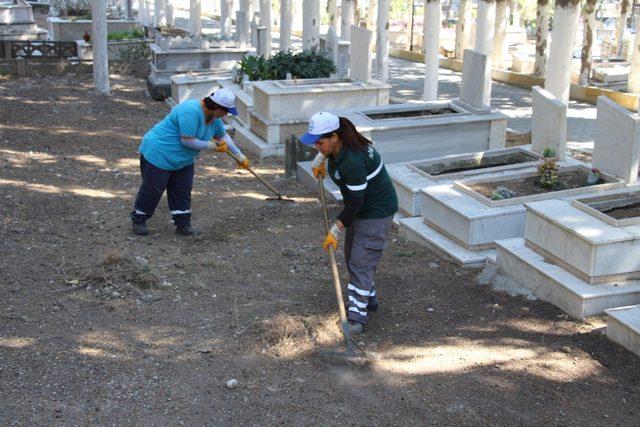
{"type": "Point", "coordinates": [360, 53]}
{"type": "Point", "coordinates": [617, 141]}
{"type": "Point", "coordinates": [548, 123]}
{"type": "Point", "coordinates": [473, 90]}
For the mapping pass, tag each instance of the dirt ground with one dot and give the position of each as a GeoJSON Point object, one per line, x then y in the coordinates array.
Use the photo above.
{"type": "Point", "coordinates": [98, 326]}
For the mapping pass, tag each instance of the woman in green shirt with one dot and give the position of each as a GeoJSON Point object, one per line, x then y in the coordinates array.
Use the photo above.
{"type": "Point", "coordinates": [370, 202]}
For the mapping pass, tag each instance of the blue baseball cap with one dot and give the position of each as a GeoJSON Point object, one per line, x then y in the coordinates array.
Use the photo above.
{"type": "Point", "coordinates": [320, 124]}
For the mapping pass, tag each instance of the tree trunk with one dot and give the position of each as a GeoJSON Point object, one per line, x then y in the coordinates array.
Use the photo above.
{"type": "Point", "coordinates": [311, 25]}
{"type": "Point", "coordinates": [226, 7]}
{"type": "Point", "coordinates": [382, 40]}
{"type": "Point", "coordinates": [195, 17]}
{"type": "Point", "coordinates": [332, 12]}
{"type": "Point", "coordinates": [100, 52]}
{"type": "Point", "coordinates": [542, 34]}
{"type": "Point", "coordinates": [265, 21]}
{"type": "Point", "coordinates": [634, 72]}
{"type": "Point", "coordinates": [372, 15]}
{"type": "Point", "coordinates": [347, 19]}
{"type": "Point", "coordinates": [620, 26]}
{"type": "Point", "coordinates": [286, 17]}
{"type": "Point", "coordinates": [431, 48]}
{"type": "Point", "coordinates": [558, 72]}
{"type": "Point", "coordinates": [586, 57]}
{"type": "Point", "coordinates": [499, 46]}
{"type": "Point", "coordinates": [463, 28]}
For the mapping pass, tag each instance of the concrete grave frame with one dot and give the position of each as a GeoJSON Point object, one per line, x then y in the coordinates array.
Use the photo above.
{"type": "Point", "coordinates": [61, 29]}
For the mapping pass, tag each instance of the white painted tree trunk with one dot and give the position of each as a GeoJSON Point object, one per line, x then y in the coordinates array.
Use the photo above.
{"type": "Point", "coordinates": [142, 13]}
{"type": "Point", "coordinates": [499, 48]}
{"type": "Point", "coordinates": [311, 25]}
{"type": "Point", "coordinates": [347, 19]}
{"type": "Point", "coordinates": [558, 72]}
{"type": "Point", "coordinates": [100, 52]}
{"type": "Point", "coordinates": [485, 28]}
{"type": "Point", "coordinates": [195, 17]}
{"type": "Point", "coordinates": [372, 15]}
{"type": "Point", "coordinates": [265, 21]}
{"type": "Point", "coordinates": [246, 7]}
{"type": "Point", "coordinates": [128, 9]}
{"type": "Point", "coordinates": [542, 34]}
{"type": "Point", "coordinates": [586, 57]}
{"type": "Point", "coordinates": [431, 44]}
{"type": "Point", "coordinates": [169, 14]}
{"type": "Point", "coordinates": [226, 9]}
{"type": "Point", "coordinates": [286, 18]}
{"type": "Point", "coordinates": [332, 11]}
{"type": "Point", "coordinates": [634, 73]}
{"type": "Point", "coordinates": [621, 23]}
{"type": "Point", "coordinates": [463, 28]}
{"type": "Point", "coordinates": [149, 12]}
{"type": "Point", "coordinates": [382, 40]}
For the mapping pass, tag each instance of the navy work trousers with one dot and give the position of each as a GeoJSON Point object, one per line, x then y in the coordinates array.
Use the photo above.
{"type": "Point", "coordinates": [178, 184]}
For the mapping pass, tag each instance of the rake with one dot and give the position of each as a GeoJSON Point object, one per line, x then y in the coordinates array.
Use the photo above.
{"type": "Point", "coordinates": [279, 200]}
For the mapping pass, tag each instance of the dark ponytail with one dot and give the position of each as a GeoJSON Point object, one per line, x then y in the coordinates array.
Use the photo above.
{"type": "Point", "coordinates": [349, 136]}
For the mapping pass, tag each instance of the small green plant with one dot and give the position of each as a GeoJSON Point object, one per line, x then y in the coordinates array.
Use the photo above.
{"type": "Point", "coordinates": [135, 52]}
{"type": "Point", "coordinates": [548, 152]}
{"type": "Point", "coordinates": [301, 65]}
{"type": "Point", "coordinates": [548, 173]}
{"type": "Point", "coordinates": [133, 33]}
{"type": "Point", "coordinates": [501, 193]}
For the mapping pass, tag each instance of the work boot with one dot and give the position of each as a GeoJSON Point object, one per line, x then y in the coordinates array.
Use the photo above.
{"type": "Point", "coordinates": [372, 308]}
{"type": "Point", "coordinates": [140, 228]}
{"type": "Point", "coordinates": [185, 230]}
{"type": "Point", "coordinates": [355, 328]}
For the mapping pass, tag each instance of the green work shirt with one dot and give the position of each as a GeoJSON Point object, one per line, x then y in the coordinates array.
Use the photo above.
{"type": "Point", "coordinates": [362, 174]}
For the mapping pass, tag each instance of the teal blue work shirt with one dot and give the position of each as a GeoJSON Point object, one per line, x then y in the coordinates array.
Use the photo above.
{"type": "Point", "coordinates": [162, 146]}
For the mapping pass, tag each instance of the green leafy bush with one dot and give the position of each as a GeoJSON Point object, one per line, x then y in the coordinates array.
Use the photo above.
{"type": "Point", "coordinates": [548, 152]}
{"type": "Point", "coordinates": [501, 193]}
{"type": "Point", "coordinates": [548, 173]}
{"type": "Point", "coordinates": [301, 65]}
{"type": "Point", "coordinates": [133, 33]}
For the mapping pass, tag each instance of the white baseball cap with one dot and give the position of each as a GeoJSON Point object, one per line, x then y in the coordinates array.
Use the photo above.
{"type": "Point", "coordinates": [319, 124]}
{"type": "Point", "coordinates": [225, 98]}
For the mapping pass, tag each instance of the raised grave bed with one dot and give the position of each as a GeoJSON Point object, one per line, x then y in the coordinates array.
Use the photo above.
{"type": "Point", "coordinates": [464, 165]}
{"type": "Point", "coordinates": [527, 189]}
{"type": "Point", "coordinates": [619, 209]}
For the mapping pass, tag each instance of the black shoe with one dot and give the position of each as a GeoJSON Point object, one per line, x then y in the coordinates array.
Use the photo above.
{"type": "Point", "coordinates": [372, 308]}
{"type": "Point", "coordinates": [140, 228]}
{"type": "Point", "coordinates": [185, 230]}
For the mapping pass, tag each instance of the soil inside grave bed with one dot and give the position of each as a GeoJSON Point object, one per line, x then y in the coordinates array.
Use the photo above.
{"type": "Point", "coordinates": [416, 113]}
{"type": "Point", "coordinates": [631, 210]}
{"type": "Point", "coordinates": [489, 161]}
{"type": "Point", "coordinates": [528, 186]}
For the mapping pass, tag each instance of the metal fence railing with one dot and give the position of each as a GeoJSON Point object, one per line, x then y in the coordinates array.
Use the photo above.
{"type": "Point", "coordinates": [37, 49]}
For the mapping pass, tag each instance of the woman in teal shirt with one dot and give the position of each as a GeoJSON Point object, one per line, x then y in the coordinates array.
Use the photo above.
{"type": "Point", "coordinates": [168, 152]}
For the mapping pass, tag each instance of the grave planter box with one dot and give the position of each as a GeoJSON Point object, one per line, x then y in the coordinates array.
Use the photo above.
{"type": "Point", "coordinates": [404, 132]}
{"type": "Point", "coordinates": [61, 29]}
{"type": "Point", "coordinates": [17, 22]}
{"type": "Point", "coordinates": [195, 86]}
{"type": "Point", "coordinates": [168, 62]}
{"type": "Point", "coordinates": [85, 49]}
{"type": "Point", "coordinates": [575, 235]}
{"type": "Point", "coordinates": [476, 222]}
{"type": "Point", "coordinates": [408, 178]}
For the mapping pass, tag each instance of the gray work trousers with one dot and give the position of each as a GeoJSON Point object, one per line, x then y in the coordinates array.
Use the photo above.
{"type": "Point", "coordinates": [363, 245]}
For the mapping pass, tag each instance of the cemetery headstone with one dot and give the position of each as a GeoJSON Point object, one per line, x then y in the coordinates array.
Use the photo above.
{"type": "Point", "coordinates": [473, 90]}
{"type": "Point", "coordinates": [617, 141]}
{"type": "Point", "coordinates": [360, 53]}
{"type": "Point", "coordinates": [548, 123]}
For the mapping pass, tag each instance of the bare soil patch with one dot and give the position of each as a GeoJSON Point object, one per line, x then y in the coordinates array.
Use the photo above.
{"type": "Point", "coordinates": [251, 300]}
{"type": "Point", "coordinates": [415, 113]}
{"type": "Point", "coordinates": [529, 185]}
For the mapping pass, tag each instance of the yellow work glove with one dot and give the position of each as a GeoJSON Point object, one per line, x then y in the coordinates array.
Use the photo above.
{"type": "Point", "coordinates": [221, 147]}
{"type": "Point", "coordinates": [244, 162]}
{"type": "Point", "coordinates": [330, 240]}
{"type": "Point", "coordinates": [317, 167]}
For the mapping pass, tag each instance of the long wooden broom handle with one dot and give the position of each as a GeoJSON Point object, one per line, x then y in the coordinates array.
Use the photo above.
{"type": "Point", "coordinates": [265, 183]}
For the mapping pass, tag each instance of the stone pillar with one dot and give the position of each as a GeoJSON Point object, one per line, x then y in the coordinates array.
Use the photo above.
{"type": "Point", "coordinates": [245, 26]}
{"type": "Point", "coordinates": [463, 28]}
{"type": "Point", "coordinates": [621, 23]}
{"type": "Point", "coordinates": [542, 33]}
{"type": "Point", "coordinates": [226, 7]}
{"type": "Point", "coordinates": [485, 27]}
{"type": "Point", "coordinates": [634, 72]}
{"type": "Point", "coordinates": [99, 40]}
{"type": "Point", "coordinates": [286, 18]}
{"type": "Point", "coordinates": [558, 72]}
{"type": "Point", "coordinates": [265, 21]}
{"type": "Point", "coordinates": [431, 48]}
{"type": "Point", "coordinates": [311, 25]}
{"type": "Point", "coordinates": [382, 40]}
{"type": "Point", "coordinates": [589, 27]}
{"type": "Point", "coordinates": [346, 12]}
{"type": "Point", "coordinates": [499, 46]}
{"type": "Point", "coordinates": [195, 17]}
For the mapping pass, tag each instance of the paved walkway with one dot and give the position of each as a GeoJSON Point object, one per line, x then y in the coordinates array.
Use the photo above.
{"type": "Point", "coordinates": [407, 79]}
